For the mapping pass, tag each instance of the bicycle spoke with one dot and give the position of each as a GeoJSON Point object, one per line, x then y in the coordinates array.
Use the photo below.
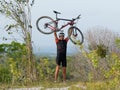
{"type": "Point", "coordinates": [76, 36]}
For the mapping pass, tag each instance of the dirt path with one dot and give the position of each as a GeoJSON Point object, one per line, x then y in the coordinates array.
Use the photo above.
{"type": "Point", "coordinates": [42, 88]}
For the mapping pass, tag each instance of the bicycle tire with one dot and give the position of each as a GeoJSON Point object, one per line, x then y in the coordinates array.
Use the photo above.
{"type": "Point", "coordinates": [80, 39]}
{"type": "Point", "coordinates": [42, 28]}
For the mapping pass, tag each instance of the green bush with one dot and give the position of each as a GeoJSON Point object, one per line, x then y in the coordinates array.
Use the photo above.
{"type": "Point", "coordinates": [102, 50]}
{"type": "Point", "coordinates": [5, 75]}
{"type": "Point", "coordinates": [45, 69]}
{"type": "Point", "coordinates": [12, 64]}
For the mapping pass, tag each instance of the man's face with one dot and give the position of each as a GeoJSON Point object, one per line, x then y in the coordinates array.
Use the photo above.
{"type": "Point", "coordinates": [61, 37]}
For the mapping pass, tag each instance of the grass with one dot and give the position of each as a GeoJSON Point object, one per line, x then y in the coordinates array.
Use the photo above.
{"type": "Point", "coordinates": [70, 85]}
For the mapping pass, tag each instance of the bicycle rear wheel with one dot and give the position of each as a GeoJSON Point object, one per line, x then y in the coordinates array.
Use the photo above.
{"type": "Point", "coordinates": [75, 35]}
{"type": "Point", "coordinates": [45, 24]}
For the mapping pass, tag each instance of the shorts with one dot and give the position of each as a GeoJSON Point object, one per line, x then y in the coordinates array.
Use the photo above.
{"type": "Point", "coordinates": [61, 59]}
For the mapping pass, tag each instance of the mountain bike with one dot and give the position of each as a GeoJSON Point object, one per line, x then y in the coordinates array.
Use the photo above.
{"type": "Point", "coordinates": [47, 25]}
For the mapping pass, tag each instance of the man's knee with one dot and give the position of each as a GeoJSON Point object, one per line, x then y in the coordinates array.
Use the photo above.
{"type": "Point", "coordinates": [57, 67]}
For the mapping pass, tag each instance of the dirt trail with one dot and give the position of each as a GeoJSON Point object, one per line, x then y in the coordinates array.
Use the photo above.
{"type": "Point", "coordinates": [42, 88]}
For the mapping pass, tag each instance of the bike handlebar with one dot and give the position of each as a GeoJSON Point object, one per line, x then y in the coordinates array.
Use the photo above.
{"type": "Point", "coordinates": [78, 17]}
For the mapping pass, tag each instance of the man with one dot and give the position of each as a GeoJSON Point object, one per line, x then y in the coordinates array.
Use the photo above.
{"type": "Point", "coordinates": [61, 43]}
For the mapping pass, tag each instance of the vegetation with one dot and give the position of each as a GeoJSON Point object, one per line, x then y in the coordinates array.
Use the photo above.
{"type": "Point", "coordinates": [19, 13]}
{"type": "Point", "coordinates": [89, 69]}
{"type": "Point", "coordinates": [95, 67]}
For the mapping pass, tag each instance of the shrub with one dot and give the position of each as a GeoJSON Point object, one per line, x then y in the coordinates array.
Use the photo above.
{"type": "Point", "coordinates": [5, 75]}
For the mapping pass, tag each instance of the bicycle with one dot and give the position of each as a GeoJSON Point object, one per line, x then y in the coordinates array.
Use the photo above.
{"type": "Point", "coordinates": [47, 25]}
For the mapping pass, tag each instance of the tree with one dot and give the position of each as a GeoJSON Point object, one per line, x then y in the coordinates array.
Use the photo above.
{"type": "Point", "coordinates": [97, 37]}
{"type": "Point", "coordinates": [19, 11]}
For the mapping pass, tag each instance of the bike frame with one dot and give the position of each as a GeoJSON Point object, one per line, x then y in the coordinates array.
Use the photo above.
{"type": "Point", "coordinates": [70, 22]}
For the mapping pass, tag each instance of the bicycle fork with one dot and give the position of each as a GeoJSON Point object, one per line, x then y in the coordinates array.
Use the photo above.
{"type": "Point", "coordinates": [74, 32]}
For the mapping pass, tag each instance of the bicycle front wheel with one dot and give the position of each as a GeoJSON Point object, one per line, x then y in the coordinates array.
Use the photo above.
{"type": "Point", "coordinates": [75, 35]}
{"type": "Point", "coordinates": [45, 25]}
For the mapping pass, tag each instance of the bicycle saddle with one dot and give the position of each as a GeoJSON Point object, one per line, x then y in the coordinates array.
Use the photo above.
{"type": "Point", "coordinates": [56, 12]}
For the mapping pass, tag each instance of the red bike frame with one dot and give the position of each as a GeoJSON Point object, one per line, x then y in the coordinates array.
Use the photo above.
{"type": "Point", "coordinates": [71, 22]}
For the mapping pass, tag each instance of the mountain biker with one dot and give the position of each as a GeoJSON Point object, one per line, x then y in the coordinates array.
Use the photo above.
{"type": "Point", "coordinates": [61, 43]}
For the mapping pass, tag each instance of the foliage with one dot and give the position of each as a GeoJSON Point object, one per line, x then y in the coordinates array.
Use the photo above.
{"type": "Point", "coordinates": [102, 39]}
{"type": "Point", "coordinates": [45, 69]}
{"type": "Point", "coordinates": [114, 61]}
{"type": "Point", "coordinates": [13, 65]}
{"type": "Point", "coordinates": [14, 49]}
{"type": "Point", "coordinates": [114, 66]}
{"type": "Point", "coordinates": [103, 66]}
{"type": "Point", "coordinates": [118, 42]}
{"type": "Point", "coordinates": [5, 75]}
{"type": "Point", "coordinates": [102, 50]}
{"type": "Point", "coordinates": [89, 66]}
{"type": "Point", "coordinates": [19, 12]}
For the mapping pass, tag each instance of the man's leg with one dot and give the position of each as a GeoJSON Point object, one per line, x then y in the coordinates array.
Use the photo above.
{"type": "Point", "coordinates": [56, 72]}
{"type": "Point", "coordinates": [64, 73]}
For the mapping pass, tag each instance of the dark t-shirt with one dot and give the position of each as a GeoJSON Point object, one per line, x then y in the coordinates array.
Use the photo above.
{"type": "Point", "coordinates": [61, 46]}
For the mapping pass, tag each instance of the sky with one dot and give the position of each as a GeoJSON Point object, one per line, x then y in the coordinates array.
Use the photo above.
{"type": "Point", "coordinates": [94, 13]}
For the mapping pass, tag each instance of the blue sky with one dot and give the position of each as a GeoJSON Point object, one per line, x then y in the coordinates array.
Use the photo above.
{"type": "Point", "coordinates": [94, 13]}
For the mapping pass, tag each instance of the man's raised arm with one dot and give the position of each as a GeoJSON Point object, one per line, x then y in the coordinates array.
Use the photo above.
{"type": "Point", "coordinates": [55, 34]}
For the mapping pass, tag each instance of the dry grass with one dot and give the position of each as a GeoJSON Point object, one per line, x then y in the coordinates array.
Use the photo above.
{"type": "Point", "coordinates": [70, 85]}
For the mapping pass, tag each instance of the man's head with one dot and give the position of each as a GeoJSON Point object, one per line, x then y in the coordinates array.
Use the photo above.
{"type": "Point", "coordinates": [61, 35]}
